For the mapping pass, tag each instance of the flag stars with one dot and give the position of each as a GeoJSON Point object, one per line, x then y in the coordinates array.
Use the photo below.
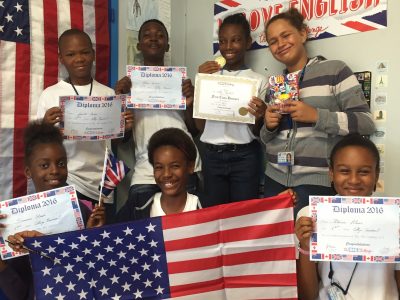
{"type": "Point", "coordinates": [1, 28]}
{"type": "Point", "coordinates": [46, 271]}
{"type": "Point", "coordinates": [128, 231]}
{"type": "Point", "coordinates": [36, 244]}
{"type": "Point", "coordinates": [57, 261]}
{"type": "Point", "coordinates": [18, 7]}
{"type": "Point", "coordinates": [121, 254]}
{"type": "Point", "coordinates": [105, 234]}
{"type": "Point", "coordinates": [87, 251]}
{"type": "Point", "coordinates": [116, 297]}
{"type": "Point", "coordinates": [159, 290]}
{"type": "Point", "coordinates": [146, 267]}
{"type": "Point", "coordinates": [126, 286]}
{"type": "Point", "coordinates": [58, 278]}
{"type": "Point", "coordinates": [90, 265]}
{"type": "Point", "coordinates": [73, 246]}
{"type": "Point", "coordinates": [78, 258]}
{"type": "Point", "coordinates": [131, 246]}
{"type": "Point", "coordinates": [114, 279]}
{"type": "Point", "coordinates": [81, 275]}
{"type": "Point", "coordinates": [140, 237]}
{"type": "Point", "coordinates": [124, 269]}
{"type": "Point", "coordinates": [65, 254]}
{"type": "Point", "coordinates": [153, 243]}
{"type": "Point", "coordinates": [68, 268]}
{"type": "Point", "coordinates": [155, 257]}
{"type": "Point", "coordinates": [59, 241]}
{"type": "Point", "coordinates": [100, 256]}
{"type": "Point", "coordinates": [118, 240]}
{"type": "Point", "coordinates": [2, 4]}
{"type": "Point", "coordinates": [143, 252]}
{"type": "Point", "coordinates": [71, 286]}
{"type": "Point", "coordinates": [136, 276]}
{"type": "Point", "coordinates": [92, 283]}
{"type": "Point", "coordinates": [157, 274]}
{"type": "Point", "coordinates": [82, 294]}
{"type": "Point", "coordinates": [104, 290]}
{"type": "Point", "coordinates": [60, 296]}
{"type": "Point", "coordinates": [51, 249]}
{"type": "Point", "coordinates": [151, 227]}
{"type": "Point", "coordinates": [134, 260]}
{"type": "Point", "coordinates": [103, 272]}
{"type": "Point", "coordinates": [47, 290]}
{"type": "Point", "coordinates": [147, 283]}
{"type": "Point", "coordinates": [96, 243]}
{"type": "Point", "coordinates": [109, 248]}
{"type": "Point", "coordinates": [18, 31]}
{"type": "Point", "coordinates": [138, 294]}
{"type": "Point", "coordinates": [112, 263]}
{"type": "Point", "coordinates": [82, 238]}
{"type": "Point", "coordinates": [9, 18]}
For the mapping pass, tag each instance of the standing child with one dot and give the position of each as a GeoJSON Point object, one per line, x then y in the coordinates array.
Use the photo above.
{"type": "Point", "coordinates": [46, 164]}
{"type": "Point", "coordinates": [85, 159]}
{"type": "Point", "coordinates": [331, 105]}
{"type": "Point", "coordinates": [232, 158]}
{"type": "Point", "coordinates": [172, 154]}
{"type": "Point", "coordinates": [153, 43]}
{"type": "Point", "coordinates": [354, 171]}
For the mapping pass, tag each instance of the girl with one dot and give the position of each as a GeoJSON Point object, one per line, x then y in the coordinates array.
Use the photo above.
{"type": "Point", "coordinates": [46, 165]}
{"type": "Point", "coordinates": [172, 154]}
{"type": "Point", "coordinates": [232, 155]}
{"type": "Point", "coordinates": [331, 105]}
{"type": "Point", "coordinates": [354, 171]}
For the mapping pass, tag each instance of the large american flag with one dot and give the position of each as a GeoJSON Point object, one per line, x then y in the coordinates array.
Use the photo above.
{"type": "Point", "coordinates": [29, 31]}
{"type": "Point", "coordinates": [242, 250]}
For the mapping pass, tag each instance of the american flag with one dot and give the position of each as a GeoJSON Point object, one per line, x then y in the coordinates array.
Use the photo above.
{"type": "Point", "coordinates": [29, 31]}
{"type": "Point", "coordinates": [115, 171]}
{"type": "Point", "coordinates": [242, 250]}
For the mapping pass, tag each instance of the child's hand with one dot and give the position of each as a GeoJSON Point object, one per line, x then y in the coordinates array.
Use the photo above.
{"type": "Point", "coordinates": [188, 91]}
{"type": "Point", "coordinates": [2, 216]}
{"type": "Point", "coordinates": [123, 86]}
{"type": "Point", "coordinates": [292, 195]}
{"type": "Point", "coordinates": [209, 67]}
{"type": "Point", "coordinates": [257, 107]}
{"type": "Point", "coordinates": [17, 240]}
{"type": "Point", "coordinates": [53, 115]}
{"type": "Point", "coordinates": [303, 230]}
{"type": "Point", "coordinates": [272, 117]}
{"type": "Point", "coordinates": [128, 116]}
{"type": "Point", "coordinates": [97, 217]}
{"type": "Point", "coordinates": [302, 112]}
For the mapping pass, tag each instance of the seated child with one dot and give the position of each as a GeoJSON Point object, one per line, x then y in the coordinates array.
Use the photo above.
{"type": "Point", "coordinates": [46, 164]}
{"type": "Point", "coordinates": [172, 154]}
{"type": "Point", "coordinates": [354, 171]}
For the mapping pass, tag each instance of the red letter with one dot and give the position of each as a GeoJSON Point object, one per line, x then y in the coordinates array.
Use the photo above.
{"type": "Point", "coordinates": [307, 9]}
{"type": "Point", "coordinates": [332, 10]}
{"type": "Point", "coordinates": [355, 4]}
{"type": "Point", "coordinates": [254, 20]}
{"type": "Point", "coordinates": [320, 8]}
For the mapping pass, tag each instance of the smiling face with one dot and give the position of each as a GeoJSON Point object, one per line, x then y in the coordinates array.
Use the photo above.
{"type": "Point", "coordinates": [77, 55]}
{"type": "Point", "coordinates": [354, 171]}
{"type": "Point", "coordinates": [47, 167]}
{"type": "Point", "coordinates": [153, 43]}
{"type": "Point", "coordinates": [286, 44]}
{"type": "Point", "coordinates": [171, 170]}
{"type": "Point", "coordinates": [233, 44]}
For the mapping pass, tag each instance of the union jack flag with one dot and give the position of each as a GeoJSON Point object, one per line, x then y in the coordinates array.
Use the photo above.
{"type": "Point", "coordinates": [115, 171]}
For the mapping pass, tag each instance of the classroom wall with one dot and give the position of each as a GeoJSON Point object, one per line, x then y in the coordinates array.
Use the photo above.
{"type": "Point", "coordinates": [191, 40]}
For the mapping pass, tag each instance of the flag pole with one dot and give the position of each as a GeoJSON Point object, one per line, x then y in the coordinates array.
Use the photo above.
{"type": "Point", "coordinates": [103, 174]}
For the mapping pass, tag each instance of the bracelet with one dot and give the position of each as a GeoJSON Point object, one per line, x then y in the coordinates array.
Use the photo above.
{"type": "Point", "coordinates": [302, 251]}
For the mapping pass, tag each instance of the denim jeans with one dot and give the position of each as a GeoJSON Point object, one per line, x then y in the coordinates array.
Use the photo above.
{"type": "Point", "coordinates": [272, 188]}
{"type": "Point", "coordinates": [231, 176]}
{"type": "Point", "coordinates": [146, 191]}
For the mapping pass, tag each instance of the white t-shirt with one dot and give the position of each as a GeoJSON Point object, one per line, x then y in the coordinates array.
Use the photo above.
{"type": "Point", "coordinates": [219, 133]}
{"type": "Point", "coordinates": [370, 281]}
{"type": "Point", "coordinates": [156, 210]}
{"type": "Point", "coordinates": [85, 159]}
{"type": "Point", "coordinates": [146, 123]}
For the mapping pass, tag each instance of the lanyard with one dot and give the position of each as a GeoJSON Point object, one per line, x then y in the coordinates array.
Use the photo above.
{"type": "Point", "coordinates": [76, 92]}
{"type": "Point", "coordinates": [330, 276]}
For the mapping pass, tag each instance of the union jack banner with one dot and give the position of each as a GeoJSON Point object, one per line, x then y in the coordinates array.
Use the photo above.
{"type": "Point", "coordinates": [115, 171]}
{"type": "Point", "coordinates": [324, 20]}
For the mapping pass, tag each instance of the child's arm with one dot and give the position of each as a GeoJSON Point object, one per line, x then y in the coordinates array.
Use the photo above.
{"type": "Point", "coordinates": [307, 274]}
{"type": "Point", "coordinates": [123, 86]}
{"type": "Point", "coordinates": [98, 217]}
{"type": "Point", "coordinates": [257, 108]}
{"type": "Point", "coordinates": [188, 92]}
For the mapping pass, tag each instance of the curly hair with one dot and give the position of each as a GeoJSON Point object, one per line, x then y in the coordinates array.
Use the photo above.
{"type": "Point", "coordinates": [237, 19]}
{"type": "Point", "coordinates": [292, 15]}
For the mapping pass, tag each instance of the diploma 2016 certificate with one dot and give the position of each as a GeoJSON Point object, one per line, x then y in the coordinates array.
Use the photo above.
{"type": "Point", "coordinates": [356, 229]}
{"type": "Point", "coordinates": [92, 118]}
{"type": "Point", "coordinates": [156, 87]}
{"type": "Point", "coordinates": [48, 212]}
{"type": "Point", "coordinates": [224, 98]}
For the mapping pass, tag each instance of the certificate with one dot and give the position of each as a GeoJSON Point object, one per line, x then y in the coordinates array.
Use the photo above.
{"type": "Point", "coordinates": [89, 118]}
{"type": "Point", "coordinates": [155, 87]}
{"type": "Point", "coordinates": [48, 212]}
{"type": "Point", "coordinates": [356, 229]}
{"type": "Point", "coordinates": [224, 98]}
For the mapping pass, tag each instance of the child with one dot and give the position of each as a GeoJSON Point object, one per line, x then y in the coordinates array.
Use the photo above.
{"type": "Point", "coordinates": [172, 154]}
{"type": "Point", "coordinates": [354, 171]}
{"type": "Point", "coordinates": [46, 164]}
{"type": "Point", "coordinates": [153, 43]}
{"type": "Point", "coordinates": [232, 159]}
{"type": "Point", "coordinates": [85, 159]}
{"type": "Point", "coordinates": [331, 105]}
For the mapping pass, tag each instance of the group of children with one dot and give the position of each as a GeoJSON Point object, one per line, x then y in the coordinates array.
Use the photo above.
{"type": "Point", "coordinates": [167, 161]}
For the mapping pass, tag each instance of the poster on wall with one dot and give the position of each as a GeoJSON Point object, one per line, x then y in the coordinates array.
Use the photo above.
{"type": "Point", "coordinates": [324, 19]}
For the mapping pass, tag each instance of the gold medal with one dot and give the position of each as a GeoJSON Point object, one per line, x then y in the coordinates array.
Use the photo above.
{"type": "Point", "coordinates": [221, 61]}
{"type": "Point", "coordinates": [243, 111]}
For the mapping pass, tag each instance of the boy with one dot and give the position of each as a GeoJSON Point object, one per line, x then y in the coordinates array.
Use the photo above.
{"type": "Point", "coordinates": [85, 159]}
{"type": "Point", "coordinates": [153, 43]}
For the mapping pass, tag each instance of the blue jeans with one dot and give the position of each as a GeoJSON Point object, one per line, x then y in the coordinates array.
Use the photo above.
{"type": "Point", "coordinates": [273, 188]}
{"type": "Point", "coordinates": [146, 191]}
{"type": "Point", "coordinates": [231, 175]}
